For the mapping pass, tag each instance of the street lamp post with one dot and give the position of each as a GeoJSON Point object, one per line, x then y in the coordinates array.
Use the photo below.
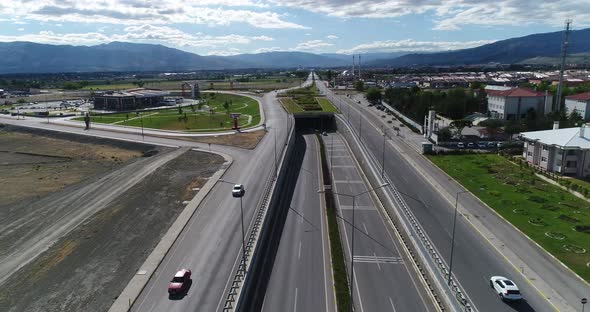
{"type": "Point", "coordinates": [453, 236]}
{"type": "Point", "coordinates": [243, 231]}
{"type": "Point", "coordinates": [383, 153]}
{"type": "Point", "coordinates": [352, 237]}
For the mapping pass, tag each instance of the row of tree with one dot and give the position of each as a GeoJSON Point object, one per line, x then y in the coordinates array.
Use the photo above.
{"type": "Point", "coordinates": [455, 104]}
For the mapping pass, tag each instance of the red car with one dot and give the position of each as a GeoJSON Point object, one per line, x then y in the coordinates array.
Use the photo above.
{"type": "Point", "coordinates": [180, 282]}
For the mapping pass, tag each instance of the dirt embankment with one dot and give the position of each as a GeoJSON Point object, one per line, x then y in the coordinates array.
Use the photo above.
{"type": "Point", "coordinates": [34, 163]}
{"type": "Point", "coordinates": [88, 268]}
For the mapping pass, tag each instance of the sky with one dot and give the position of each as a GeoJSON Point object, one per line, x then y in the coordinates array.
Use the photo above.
{"type": "Point", "coordinates": [228, 27]}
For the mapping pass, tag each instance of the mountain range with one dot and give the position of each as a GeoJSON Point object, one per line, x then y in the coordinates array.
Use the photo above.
{"type": "Point", "coordinates": [29, 57]}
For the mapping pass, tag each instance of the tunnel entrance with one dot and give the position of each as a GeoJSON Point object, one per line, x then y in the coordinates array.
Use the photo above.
{"type": "Point", "coordinates": [311, 122]}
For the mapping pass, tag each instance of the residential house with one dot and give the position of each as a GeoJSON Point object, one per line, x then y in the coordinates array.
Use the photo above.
{"type": "Point", "coordinates": [565, 151]}
{"type": "Point", "coordinates": [514, 103]}
{"type": "Point", "coordinates": [579, 102]}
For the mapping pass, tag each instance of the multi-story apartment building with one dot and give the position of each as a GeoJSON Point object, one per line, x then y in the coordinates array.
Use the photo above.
{"type": "Point", "coordinates": [514, 103]}
{"type": "Point", "coordinates": [565, 151]}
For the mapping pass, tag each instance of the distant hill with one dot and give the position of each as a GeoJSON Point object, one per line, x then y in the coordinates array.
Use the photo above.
{"type": "Point", "coordinates": [288, 60]}
{"type": "Point", "coordinates": [508, 51]}
{"type": "Point", "coordinates": [27, 57]}
{"type": "Point", "coordinates": [578, 58]}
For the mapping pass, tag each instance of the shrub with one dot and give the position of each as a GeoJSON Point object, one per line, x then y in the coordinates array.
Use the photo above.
{"type": "Point", "coordinates": [537, 199]}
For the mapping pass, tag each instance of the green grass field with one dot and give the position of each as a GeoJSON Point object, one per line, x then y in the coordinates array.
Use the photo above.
{"type": "Point", "coordinates": [170, 119]}
{"type": "Point", "coordinates": [327, 105]}
{"type": "Point", "coordinates": [554, 218]}
{"type": "Point", "coordinates": [264, 84]}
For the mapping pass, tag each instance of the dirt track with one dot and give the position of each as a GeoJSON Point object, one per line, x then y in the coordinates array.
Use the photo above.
{"type": "Point", "coordinates": [88, 267]}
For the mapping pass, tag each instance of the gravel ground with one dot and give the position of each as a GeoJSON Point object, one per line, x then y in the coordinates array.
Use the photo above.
{"type": "Point", "coordinates": [86, 269]}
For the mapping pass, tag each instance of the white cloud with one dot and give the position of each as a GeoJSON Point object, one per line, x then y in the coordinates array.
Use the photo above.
{"type": "Point", "coordinates": [130, 12]}
{"type": "Point", "coordinates": [331, 37]}
{"type": "Point", "coordinates": [311, 45]}
{"type": "Point", "coordinates": [228, 52]}
{"type": "Point", "coordinates": [141, 33]}
{"type": "Point", "coordinates": [412, 45]}
{"type": "Point", "coordinates": [21, 29]}
{"type": "Point", "coordinates": [265, 50]}
{"type": "Point", "coordinates": [454, 14]}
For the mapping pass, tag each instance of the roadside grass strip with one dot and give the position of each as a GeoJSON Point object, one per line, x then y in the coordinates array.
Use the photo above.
{"type": "Point", "coordinates": [190, 118]}
{"type": "Point", "coordinates": [327, 105]}
{"type": "Point", "coordinates": [549, 215]}
{"type": "Point", "coordinates": [339, 271]}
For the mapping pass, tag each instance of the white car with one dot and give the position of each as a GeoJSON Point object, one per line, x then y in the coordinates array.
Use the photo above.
{"type": "Point", "coordinates": [238, 190]}
{"type": "Point", "coordinates": [505, 288]}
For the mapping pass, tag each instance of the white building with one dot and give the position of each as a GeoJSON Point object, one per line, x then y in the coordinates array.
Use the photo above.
{"type": "Point", "coordinates": [565, 151]}
{"type": "Point", "coordinates": [579, 102]}
{"type": "Point", "coordinates": [515, 102]}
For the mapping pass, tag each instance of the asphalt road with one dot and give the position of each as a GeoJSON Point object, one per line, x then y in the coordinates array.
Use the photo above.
{"type": "Point", "coordinates": [384, 279]}
{"type": "Point", "coordinates": [210, 244]}
{"type": "Point", "coordinates": [301, 278]}
{"type": "Point", "coordinates": [475, 260]}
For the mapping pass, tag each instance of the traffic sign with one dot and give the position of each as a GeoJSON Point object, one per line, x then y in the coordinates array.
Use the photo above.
{"type": "Point", "coordinates": [584, 300]}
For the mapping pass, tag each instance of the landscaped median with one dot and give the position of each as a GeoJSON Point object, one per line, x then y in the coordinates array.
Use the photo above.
{"type": "Point", "coordinates": [307, 99]}
{"type": "Point", "coordinates": [337, 252]}
{"type": "Point", "coordinates": [551, 216]}
{"type": "Point", "coordinates": [212, 114]}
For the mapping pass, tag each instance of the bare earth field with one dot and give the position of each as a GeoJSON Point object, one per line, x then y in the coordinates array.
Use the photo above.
{"type": "Point", "coordinates": [110, 217]}
{"type": "Point", "coordinates": [247, 140]}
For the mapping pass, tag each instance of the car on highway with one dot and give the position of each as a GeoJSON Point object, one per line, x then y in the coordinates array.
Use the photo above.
{"type": "Point", "coordinates": [470, 145]}
{"type": "Point", "coordinates": [481, 145]}
{"type": "Point", "coordinates": [180, 283]}
{"type": "Point", "coordinates": [460, 145]}
{"type": "Point", "coordinates": [238, 190]}
{"type": "Point", "coordinates": [505, 288]}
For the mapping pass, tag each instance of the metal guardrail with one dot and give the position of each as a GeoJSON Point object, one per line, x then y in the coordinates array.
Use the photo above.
{"type": "Point", "coordinates": [240, 276]}
{"type": "Point", "coordinates": [235, 290]}
{"type": "Point", "coordinates": [426, 245]}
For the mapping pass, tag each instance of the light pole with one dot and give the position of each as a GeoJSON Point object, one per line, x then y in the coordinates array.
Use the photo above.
{"type": "Point", "coordinates": [241, 195]}
{"type": "Point", "coordinates": [352, 236]}
{"type": "Point", "coordinates": [383, 153]}
{"type": "Point", "coordinates": [453, 236]}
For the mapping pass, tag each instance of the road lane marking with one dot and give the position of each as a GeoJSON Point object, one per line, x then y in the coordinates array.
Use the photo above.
{"type": "Point", "coordinates": [377, 259]}
{"type": "Point", "coordinates": [378, 265]}
{"type": "Point", "coordinates": [392, 306]}
{"type": "Point", "coordinates": [365, 226]}
{"type": "Point", "coordinates": [299, 253]}
{"type": "Point", "coordinates": [347, 207]}
{"type": "Point", "coordinates": [295, 304]}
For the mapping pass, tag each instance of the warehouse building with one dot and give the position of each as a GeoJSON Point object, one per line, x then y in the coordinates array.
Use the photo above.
{"type": "Point", "coordinates": [129, 99]}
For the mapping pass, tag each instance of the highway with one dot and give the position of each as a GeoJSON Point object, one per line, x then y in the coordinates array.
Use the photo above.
{"type": "Point", "coordinates": [475, 260]}
{"type": "Point", "coordinates": [301, 278]}
{"type": "Point", "coordinates": [384, 278]}
{"type": "Point", "coordinates": [210, 244]}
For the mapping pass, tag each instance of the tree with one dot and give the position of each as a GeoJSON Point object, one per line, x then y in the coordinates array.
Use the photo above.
{"type": "Point", "coordinates": [444, 134]}
{"type": "Point", "coordinates": [21, 101]}
{"type": "Point", "coordinates": [492, 126]}
{"type": "Point", "coordinates": [512, 127]}
{"type": "Point", "coordinates": [139, 83]}
{"type": "Point", "coordinates": [458, 125]}
{"type": "Point", "coordinates": [373, 95]}
{"type": "Point", "coordinates": [179, 110]}
{"type": "Point", "coordinates": [226, 106]}
{"type": "Point", "coordinates": [575, 119]}
{"type": "Point", "coordinates": [359, 86]}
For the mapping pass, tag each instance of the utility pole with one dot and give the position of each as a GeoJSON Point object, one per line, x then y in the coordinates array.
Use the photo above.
{"type": "Point", "coordinates": [564, 45]}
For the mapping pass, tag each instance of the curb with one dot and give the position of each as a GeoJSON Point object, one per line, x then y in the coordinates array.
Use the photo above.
{"type": "Point", "coordinates": [136, 285]}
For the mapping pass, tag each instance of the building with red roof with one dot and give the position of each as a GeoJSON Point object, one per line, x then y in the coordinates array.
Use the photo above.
{"type": "Point", "coordinates": [580, 103]}
{"type": "Point", "coordinates": [513, 103]}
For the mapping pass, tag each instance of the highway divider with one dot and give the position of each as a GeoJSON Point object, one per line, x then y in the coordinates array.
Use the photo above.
{"type": "Point", "coordinates": [339, 270]}
{"type": "Point", "coordinates": [248, 288]}
{"type": "Point", "coordinates": [428, 262]}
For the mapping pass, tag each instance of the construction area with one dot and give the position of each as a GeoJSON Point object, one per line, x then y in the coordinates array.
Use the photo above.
{"type": "Point", "coordinates": [80, 214]}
